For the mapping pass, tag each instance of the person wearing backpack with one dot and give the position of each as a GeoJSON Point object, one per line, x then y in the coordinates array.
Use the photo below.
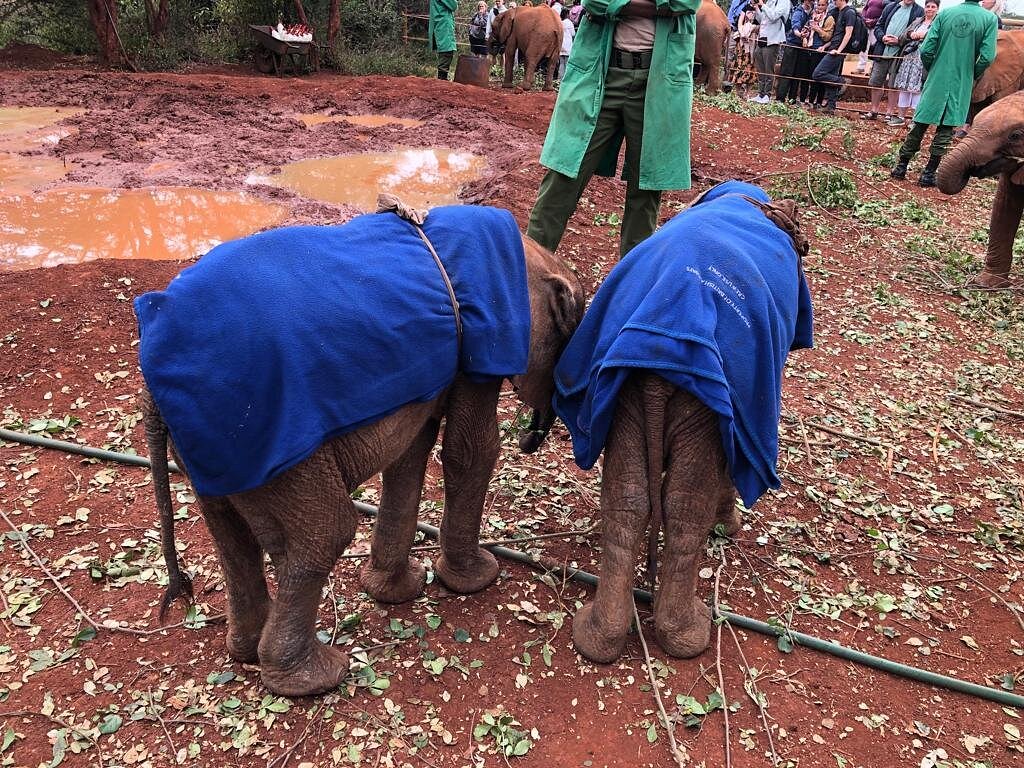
{"type": "Point", "coordinates": [771, 15]}
{"type": "Point", "coordinates": [795, 59]}
{"type": "Point", "coordinates": [871, 14]}
{"type": "Point", "coordinates": [830, 69]}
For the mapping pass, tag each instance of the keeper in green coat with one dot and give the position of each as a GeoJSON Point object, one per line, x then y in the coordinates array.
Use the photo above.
{"type": "Point", "coordinates": [629, 76]}
{"type": "Point", "coordinates": [959, 46]}
{"type": "Point", "coordinates": [441, 31]}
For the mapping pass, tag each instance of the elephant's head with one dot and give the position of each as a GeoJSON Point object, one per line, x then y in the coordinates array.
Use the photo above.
{"type": "Point", "coordinates": [556, 308]}
{"type": "Point", "coordinates": [501, 30]}
{"type": "Point", "coordinates": [994, 145]}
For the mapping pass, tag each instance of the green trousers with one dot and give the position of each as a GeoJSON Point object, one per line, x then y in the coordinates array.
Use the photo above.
{"type": "Point", "coordinates": [621, 111]}
{"type": "Point", "coordinates": [444, 63]}
{"type": "Point", "coordinates": [939, 146]}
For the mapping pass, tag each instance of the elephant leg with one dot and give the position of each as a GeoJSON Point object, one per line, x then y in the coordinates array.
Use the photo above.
{"type": "Point", "coordinates": [510, 59]}
{"type": "Point", "coordinates": [241, 560]}
{"type": "Point", "coordinates": [600, 628]}
{"type": "Point", "coordinates": [390, 576]}
{"type": "Point", "coordinates": [549, 71]}
{"type": "Point", "coordinates": [316, 520]}
{"type": "Point", "coordinates": [529, 71]}
{"type": "Point", "coordinates": [1006, 213]}
{"type": "Point", "coordinates": [714, 67]}
{"type": "Point", "coordinates": [694, 488]}
{"type": "Point", "coordinates": [727, 515]}
{"type": "Point", "coordinates": [469, 451]}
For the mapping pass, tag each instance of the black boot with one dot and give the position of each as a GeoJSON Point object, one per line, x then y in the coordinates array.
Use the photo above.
{"type": "Point", "coordinates": [928, 174]}
{"type": "Point", "coordinates": [442, 74]}
{"type": "Point", "coordinates": [900, 171]}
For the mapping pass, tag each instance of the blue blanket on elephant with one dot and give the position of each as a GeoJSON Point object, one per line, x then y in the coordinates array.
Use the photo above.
{"type": "Point", "coordinates": [272, 344]}
{"type": "Point", "coordinates": [712, 302]}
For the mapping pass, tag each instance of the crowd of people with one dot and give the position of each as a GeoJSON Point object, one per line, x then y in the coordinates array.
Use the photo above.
{"type": "Point", "coordinates": [794, 52]}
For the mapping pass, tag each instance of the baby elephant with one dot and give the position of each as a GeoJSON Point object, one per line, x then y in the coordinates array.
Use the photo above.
{"type": "Point", "coordinates": [291, 366]}
{"type": "Point", "coordinates": [677, 366]}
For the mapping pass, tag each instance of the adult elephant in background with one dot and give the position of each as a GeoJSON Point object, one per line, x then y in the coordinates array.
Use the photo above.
{"type": "Point", "coordinates": [994, 147]}
{"type": "Point", "coordinates": [676, 374]}
{"type": "Point", "coordinates": [340, 360]}
{"type": "Point", "coordinates": [535, 32]}
{"type": "Point", "coordinates": [1004, 76]}
{"type": "Point", "coordinates": [713, 32]}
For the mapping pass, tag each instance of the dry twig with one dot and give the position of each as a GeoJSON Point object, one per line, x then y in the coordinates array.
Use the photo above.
{"type": "Point", "coordinates": [718, 661]}
{"type": "Point", "coordinates": [657, 690]}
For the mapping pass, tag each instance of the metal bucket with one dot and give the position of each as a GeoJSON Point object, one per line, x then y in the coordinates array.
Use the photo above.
{"type": "Point", "coordinates": [473, 70]}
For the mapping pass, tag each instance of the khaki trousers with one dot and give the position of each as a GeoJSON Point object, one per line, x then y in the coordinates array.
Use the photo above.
{"type": "Point", "coordinates": [622, 110]}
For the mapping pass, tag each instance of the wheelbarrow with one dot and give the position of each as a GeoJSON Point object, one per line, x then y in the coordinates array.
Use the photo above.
{"type": "Point", "coordinates": [273, 55]}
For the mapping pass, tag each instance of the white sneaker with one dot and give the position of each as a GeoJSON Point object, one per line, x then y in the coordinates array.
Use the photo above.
{"type": "Point", "coordinates": [755, 99]}
{"type": "Point", "coordinates": [765, 100]}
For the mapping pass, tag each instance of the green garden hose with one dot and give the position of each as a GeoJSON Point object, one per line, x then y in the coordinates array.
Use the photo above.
{"type": "Point", "coordinates": [798, 638]}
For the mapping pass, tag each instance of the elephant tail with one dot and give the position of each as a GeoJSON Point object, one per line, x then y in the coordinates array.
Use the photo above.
{"type": "Point", "coordinates": [179, 584]}
{"type": "Point", "coordinates": [656, 393]}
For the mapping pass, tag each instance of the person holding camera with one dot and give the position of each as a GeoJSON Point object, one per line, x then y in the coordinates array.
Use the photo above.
{"type": "Point", "coordinates": [771, 15]}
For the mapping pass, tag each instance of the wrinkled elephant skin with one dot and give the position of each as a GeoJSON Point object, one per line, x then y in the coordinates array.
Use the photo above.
{"type": "Point", "coordinates": [695, 494]}
{"type": "Point", "coordinates": [994, 147]}
{"type": "Point", "coordinates": [304, 517]}
{"type": "Point", "coordinates": [712, 34]}
{"type": "Point", "coordinates": [1004, 76]}
{"type": "Point", "coordinates": [535, 32]}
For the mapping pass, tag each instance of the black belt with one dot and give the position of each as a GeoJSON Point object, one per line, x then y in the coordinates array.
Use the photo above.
{"type": "Point", "coordinates": [630, 59]}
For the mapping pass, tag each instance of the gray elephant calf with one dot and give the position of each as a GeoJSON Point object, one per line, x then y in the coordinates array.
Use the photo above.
{"type": "Point", "coordinates": [291, 366]}
{"type": "Point", "coordinates": [676, 373]}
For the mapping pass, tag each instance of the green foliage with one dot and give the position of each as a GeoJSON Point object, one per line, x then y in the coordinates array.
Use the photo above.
{"type": "Point", "coordinates": [213, 31]}
{"type": "Point", "coordinates": [831, 187]}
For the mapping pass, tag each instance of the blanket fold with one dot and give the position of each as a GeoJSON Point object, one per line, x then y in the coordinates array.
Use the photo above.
{"type": "Point", "coordinates": [271, 344]}
{"type": "Point", "coordinates": [713, 302]}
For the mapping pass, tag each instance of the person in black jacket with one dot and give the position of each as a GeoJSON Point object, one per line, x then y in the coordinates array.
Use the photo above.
{"type": "Point", "coordinates": [895, 19]}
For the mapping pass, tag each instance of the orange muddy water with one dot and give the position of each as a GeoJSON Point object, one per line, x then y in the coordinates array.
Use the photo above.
{"type": "Point", "coordinates": [81, 224]}
{"type": "Point", "coordinates": [421, 177]}
{"type": "Point", "coordinates": [366, 121]}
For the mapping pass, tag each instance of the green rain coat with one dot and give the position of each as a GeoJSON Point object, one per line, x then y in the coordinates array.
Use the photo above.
{"type": "Point", "coordinates": [441, 29]}
{"type": "Point", "coordinates": [665, 154]}
{"type": "Point", "coordinates": [959, 46]}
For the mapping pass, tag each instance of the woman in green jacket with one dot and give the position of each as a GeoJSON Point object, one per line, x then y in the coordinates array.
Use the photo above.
{"type": "Point", "coordinates": [441, 32]}
{"type": "Point", "coordinates": [630, 75]}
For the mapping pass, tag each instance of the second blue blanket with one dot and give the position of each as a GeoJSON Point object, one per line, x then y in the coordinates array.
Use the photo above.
{"type": "Point", "coordinates": [712, 302]}
{"type": "Point", "coordinates": [271, 344]}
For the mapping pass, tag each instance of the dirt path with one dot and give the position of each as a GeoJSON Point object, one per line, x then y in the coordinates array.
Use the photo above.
{"type": "Point", "coordinates": [902, 538]}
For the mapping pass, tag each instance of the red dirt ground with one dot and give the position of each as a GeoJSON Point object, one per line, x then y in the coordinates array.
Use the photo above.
{"type": "Point", "coordinates": [904, 363]}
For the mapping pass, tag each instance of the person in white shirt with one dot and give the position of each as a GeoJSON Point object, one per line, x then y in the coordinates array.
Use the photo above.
{"type": "Point", "coordinates": [771, 15]}
{"type": "Point", "coordinates": [568, 33]}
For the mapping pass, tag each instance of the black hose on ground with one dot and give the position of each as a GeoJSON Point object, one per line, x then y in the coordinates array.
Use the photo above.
{"type": "Point", "coordinates": [799, 638]}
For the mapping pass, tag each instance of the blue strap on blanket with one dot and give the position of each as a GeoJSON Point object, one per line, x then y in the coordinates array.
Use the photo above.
{"type": "Point", "coordinates": [712, 302]}
{"type": "Point", "coordinates": [272, 344]}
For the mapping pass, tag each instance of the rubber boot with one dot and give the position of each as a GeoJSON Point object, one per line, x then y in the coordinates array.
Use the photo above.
{"type": "Point", "coordinates": [442, 74]}
{"type": "Point", "coordinates": [928, 174]}
{"type": "Point", "coordinates": [900, 171]}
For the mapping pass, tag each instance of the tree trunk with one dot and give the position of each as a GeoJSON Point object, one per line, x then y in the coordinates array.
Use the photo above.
{"type": "Point", "coordinates": [333, 23]}
{"type": "Point", "coordinates": [157, 17]}
{"type": "Point", "coordinates": [103, 16]}
{"type": "Point", "coordinates": [301, 11]}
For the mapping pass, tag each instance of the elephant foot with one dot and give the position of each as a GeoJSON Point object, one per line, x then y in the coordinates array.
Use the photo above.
{"type": "Point", "coordinates": [548, 88]}
{"type": "Point", "coordinates": [321, 670]}
{"type": "Point", "coordinates": [592, 641]}
{"type": "Point", "coordinates": [990, 281]}
{"type": "Point", "coordinates": [394, 587]}
{"type": "Point", "coordinates": [730, 519]}
{"type": "Point", "coordinates": [244, 630]}
{"type": "Point", "coordinates": [506, 85]}
{"type": "Point", "coordinates": [692, 639]}
{"type": "Point", "coordinates": [471, 574]}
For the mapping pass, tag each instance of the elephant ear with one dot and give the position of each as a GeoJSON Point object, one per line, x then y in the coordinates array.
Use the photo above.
{"type": "Point", "coordinates": [565, 305]}
{"type": "Point", "coordinates": [1005, 73]}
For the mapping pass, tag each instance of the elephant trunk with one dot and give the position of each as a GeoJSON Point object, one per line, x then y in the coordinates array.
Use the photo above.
{"type": "Point", "coordinates": [957, 167]}
{"type": "Point", "coordinates": [530, 439]}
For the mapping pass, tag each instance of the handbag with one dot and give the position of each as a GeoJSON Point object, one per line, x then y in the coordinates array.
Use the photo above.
{"type": "Point", "coordinates": [910, 47]}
